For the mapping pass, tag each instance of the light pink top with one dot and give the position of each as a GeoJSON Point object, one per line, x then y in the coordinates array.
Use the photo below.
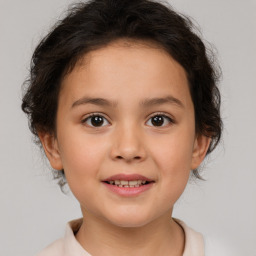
{"type": "Point", "coordinates": [68, 245]}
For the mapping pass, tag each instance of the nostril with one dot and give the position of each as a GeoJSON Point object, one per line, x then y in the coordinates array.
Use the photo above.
{"type": "Point", "coordinates": [136, 157]}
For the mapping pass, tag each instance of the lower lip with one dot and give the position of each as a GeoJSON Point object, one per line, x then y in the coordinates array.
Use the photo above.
{"type": "Point", "coordinates": [128, 192]}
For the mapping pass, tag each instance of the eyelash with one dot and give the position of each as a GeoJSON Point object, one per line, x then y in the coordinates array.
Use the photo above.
{"type": "Point", "coordinates": [170, 120]}
{"type": "Point", "coordinates": [161, 114]}
{"type": "Point", "coordinates": [93, 115]}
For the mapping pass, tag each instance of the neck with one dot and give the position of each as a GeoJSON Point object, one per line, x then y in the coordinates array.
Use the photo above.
{"type": "Point", "coordinates": [162, 236]}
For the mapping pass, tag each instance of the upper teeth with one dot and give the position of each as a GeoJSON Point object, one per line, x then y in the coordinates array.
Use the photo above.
{"type": "Point", "coordinates": [127, 183]}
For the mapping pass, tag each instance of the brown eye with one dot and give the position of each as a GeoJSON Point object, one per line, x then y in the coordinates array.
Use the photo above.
{"type": "Point", "coordinates": [96, 121]}
{"type": "Point", "coordinates": [159, 121]}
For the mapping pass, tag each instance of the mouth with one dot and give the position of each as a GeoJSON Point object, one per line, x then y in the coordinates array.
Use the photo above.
{"type": "Point", "coordinates": [128, 184]}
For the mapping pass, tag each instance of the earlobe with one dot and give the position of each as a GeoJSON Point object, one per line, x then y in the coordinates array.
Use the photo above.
{"type": "Point", "coordinates": [201, 146]}
{"type": "Point", "coordinates": [51, 150]}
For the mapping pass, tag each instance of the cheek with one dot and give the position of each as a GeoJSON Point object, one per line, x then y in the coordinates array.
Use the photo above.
{"type": "Point", "coordinates": [81, 158]}
{"type": "Point", "coordinates": [173, 154]}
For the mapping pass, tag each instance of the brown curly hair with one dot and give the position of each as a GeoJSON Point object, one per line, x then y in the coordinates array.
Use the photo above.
{"type": "Point", "coordinates": [94, 24]}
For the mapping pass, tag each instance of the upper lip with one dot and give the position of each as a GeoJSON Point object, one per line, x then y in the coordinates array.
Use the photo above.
{"type": "Point", "coordinates": [128, 177]}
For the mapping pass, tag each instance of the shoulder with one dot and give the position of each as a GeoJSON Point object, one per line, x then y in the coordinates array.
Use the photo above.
{"type": "Point", "coordinates": [215, 247]}
{"type": "Point", "coordinates": [54, 249]}
{"type": "Point", "coordinates": [68, 245]}
{"type": "Point", "coordinates": [197, 244]}
{"type": "Point", "coordinates": [194, 241]}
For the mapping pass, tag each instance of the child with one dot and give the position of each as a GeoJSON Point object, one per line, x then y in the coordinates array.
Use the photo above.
{"type": "Point", "coordinates": [123, 99]}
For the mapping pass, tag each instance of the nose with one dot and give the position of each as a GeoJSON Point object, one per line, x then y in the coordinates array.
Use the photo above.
{"type": "Point", "coordinates": [128, 144]}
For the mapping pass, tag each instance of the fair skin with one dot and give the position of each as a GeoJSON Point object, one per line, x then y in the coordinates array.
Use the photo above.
{"type": "Point", "coordinates": [134, 135]}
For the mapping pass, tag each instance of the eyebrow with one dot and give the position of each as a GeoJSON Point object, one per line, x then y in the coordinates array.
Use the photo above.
{"type": "Point", "coordinates": [159, 101]}
{"type": "Point", "coordinates": [94, 101]}
{"type": "Point", "coordinates": [145, 103]}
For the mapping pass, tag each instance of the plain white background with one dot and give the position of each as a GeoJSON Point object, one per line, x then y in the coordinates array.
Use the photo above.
{"type": "Point", "coordinates": [33, 209]}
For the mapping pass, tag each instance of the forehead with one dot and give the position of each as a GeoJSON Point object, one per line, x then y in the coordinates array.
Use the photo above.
{"type": "Point", "coordinates": [125, 67]}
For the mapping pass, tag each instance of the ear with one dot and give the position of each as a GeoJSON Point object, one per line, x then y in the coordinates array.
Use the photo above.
{"type": "Point", "coordinates": [51, 149]}
{"type": "Point", "coordinates": [201, 146]}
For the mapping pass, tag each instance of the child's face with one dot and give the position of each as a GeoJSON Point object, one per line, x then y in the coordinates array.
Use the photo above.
{"type": "Point", "coordinates": [144, 125]}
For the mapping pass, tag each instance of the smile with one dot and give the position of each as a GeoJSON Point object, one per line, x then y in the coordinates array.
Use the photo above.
{"type": "Point", "coordinates": [128, 184]}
